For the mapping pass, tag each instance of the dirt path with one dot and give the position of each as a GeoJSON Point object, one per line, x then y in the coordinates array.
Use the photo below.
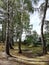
{"type": "Point", "coordinates": [20, 60]}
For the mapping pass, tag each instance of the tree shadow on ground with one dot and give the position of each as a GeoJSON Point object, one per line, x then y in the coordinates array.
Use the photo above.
{"type": "Point", "coordinates": [47, 63]}
{"type": "Point", "coordinates": [30, 54]}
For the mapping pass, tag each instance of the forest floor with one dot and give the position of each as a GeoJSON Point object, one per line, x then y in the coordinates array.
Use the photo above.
{"type": "Point", "coordinates": [26, 58]}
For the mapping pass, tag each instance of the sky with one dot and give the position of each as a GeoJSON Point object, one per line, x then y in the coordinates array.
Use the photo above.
{"type": "Point", "coordinates": [35, 19]}
{"type": "Point", "coordinates": [0, 26]}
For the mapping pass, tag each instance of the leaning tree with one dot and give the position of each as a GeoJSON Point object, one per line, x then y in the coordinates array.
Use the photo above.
{"type": "Point", "coordinates": [44, 10]}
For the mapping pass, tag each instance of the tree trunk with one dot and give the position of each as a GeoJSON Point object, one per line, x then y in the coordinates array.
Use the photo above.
{"type": "Point", "coordinates": [10, 44]}
{"type": "Point", "coordinates": [7, 30]}
{"type": "Point", "coordinates": [12, 26]}
{"type": "Point", "coordinates": [7, 46]}
{"type": "Point", "coordinates": [42, 25]}
{"type": "Point", "coordinates": [3, 31]}
{"type": "Point", "coordinates": [44, 43]}
{"type": "Point", "coordinates": [12, 41]}
{"type": "Point", "coordinates": [19, 44]}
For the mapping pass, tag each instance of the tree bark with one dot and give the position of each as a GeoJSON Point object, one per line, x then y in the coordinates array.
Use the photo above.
{"type": "Point", "coordinates": [19, 44]}
{"type": "Point", "coordinates": [7, 30]}
{"type": "Point", "coordinates": [12, 26]}
{"type": "Point", "coordinates": [42, 26]}
{"type": "Point", "coordinates": [3, 31]}
{"type": "Point", "coordinates": [7, 46]}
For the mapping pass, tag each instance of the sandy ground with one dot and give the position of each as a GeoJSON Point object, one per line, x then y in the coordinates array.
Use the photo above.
{"type": "Point", "coordinates": [20, 60]}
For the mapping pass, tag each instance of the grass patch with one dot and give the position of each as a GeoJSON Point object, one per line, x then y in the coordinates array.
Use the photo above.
{"type": "Point", "coordinates": [2, 47]}
{"type": "Point", "coordinates": [26, 50]}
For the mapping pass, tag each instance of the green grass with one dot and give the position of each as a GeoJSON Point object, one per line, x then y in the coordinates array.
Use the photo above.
{"type": "Point", "coordinates": [27, 51]}
{"type": "Point", "coordinates": [23, 47]}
